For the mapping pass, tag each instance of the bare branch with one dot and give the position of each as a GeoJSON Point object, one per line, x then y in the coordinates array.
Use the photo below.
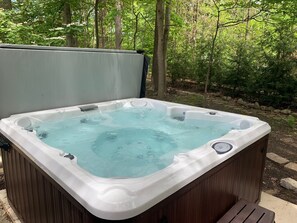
{"type": "Point", "coordinates": [146, 21]}
{"type": "Point", "coordinates": [236, 22]}
{"type": "Point", "coordinates": [216, 5]}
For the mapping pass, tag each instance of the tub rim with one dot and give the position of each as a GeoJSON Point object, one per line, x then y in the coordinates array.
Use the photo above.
{"type": "Point", "coordinates": [141, 193]}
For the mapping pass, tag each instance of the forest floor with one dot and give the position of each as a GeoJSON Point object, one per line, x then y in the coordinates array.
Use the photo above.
{"type": "Point", "coordinates": [282, 139]}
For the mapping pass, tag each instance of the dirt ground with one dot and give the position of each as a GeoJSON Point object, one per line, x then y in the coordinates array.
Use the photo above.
{"type": "Point", "coordinates": [282, 141]}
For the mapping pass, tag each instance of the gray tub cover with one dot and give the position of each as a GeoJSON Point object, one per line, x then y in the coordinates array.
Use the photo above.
{"type": "Point", "coordinates": [37, 78]}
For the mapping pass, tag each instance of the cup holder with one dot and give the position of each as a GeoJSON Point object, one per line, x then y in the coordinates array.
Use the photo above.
{"type": "Point", "coordinates": [222, 147]}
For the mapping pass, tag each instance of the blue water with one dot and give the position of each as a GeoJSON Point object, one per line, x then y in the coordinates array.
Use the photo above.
{"type": "Point", "coordinates": [127, 142]}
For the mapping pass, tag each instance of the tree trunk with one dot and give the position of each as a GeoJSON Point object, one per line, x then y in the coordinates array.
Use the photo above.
{"type": "Point", "coordinates": [96, 24]}
{"type": "Point", "coordinates": [247, 22]}
{"type": "Point", "coordinates": [155, 58]}
{"type": "Point", "coordinates": [102, 14]}
{"type": "Point", "coordinates": [6, 4]}
{"type": "Point", "coordinates": [136, 26]}
{"type": "Point", "coordinates": [70, 39]}
{"type": "Point", "coordinates": [166, 37]}
{"type": "Point", "coordinates": [210, 63]}
{"type": "Point", "coordinates": [118, 25]}
{"type": "Point", "coordinates": [136, 31]}
{"type": "Point", "coordinates": [193, 18]}
{"type": "Point", "coordinates": [160, 48]}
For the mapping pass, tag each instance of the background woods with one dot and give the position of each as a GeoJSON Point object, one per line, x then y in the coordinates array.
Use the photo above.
{"type": "Point", "coordinates": [243, 48]}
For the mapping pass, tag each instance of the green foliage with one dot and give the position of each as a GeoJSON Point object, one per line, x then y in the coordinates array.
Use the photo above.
{"type": "Point", "coordinates": [240, 69]}
{"type": "Point", "coordinates": [255, 61]}
{"type": "Point", "coordinates": [291, 120]}
{"type": "Point", "coordinates": [190, 63]}
{"type": "Point", "coordinates": [180, 66]}
{"type": "Point", "coordinates": [277, 82]}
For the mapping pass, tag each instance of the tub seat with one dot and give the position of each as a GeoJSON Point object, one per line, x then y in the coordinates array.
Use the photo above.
{"type": "Point", "coordinates": [247, 212]}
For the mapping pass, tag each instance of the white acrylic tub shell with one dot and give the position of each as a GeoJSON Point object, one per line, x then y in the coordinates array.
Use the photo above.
{"type": "Point", "coordinates": [116, 199]}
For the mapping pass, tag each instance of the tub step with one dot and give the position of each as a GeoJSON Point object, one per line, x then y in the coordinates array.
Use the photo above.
{"type": "Point", "coordinates": [247, 212]}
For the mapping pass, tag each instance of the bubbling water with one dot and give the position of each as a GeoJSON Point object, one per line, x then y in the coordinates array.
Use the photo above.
{"type": "Point", "coordinates": [127, 142]}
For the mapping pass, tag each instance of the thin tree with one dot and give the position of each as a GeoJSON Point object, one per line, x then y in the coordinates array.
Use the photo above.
{"type": "Point", "coordinates": [158, 58]}
{"type": "Point", "coordinates": [166, 37]}
{"type": "Point", "coordinates": [247, 21]}
{"type": "Point", "coordinates": [213, 42]}
{"type": "Point", "coordinates": [87, 11]}
{"type": "Point", "coordinates": [136, 15]}
{"type": "Point", "coordinates": [118, 24]}
{"type": "Point", "coordinates": [155, 57]}
{"type": "Point", "coordinates": [96, 23]}
{"type": "Point", "coordinates": [102, 15]}
{"type": "Point", "coordinates": [162, 24]}
{"type": "Point", "coordinates": [70, 39]}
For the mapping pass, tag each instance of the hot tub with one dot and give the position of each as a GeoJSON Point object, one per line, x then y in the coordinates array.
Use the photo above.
{"type": "Point", "coordinates": [50, 180]}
